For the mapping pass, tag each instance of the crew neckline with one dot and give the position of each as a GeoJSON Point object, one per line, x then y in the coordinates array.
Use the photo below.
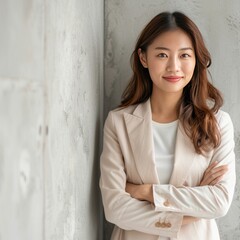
{"type": "Point", "coordinates": [175, 122]}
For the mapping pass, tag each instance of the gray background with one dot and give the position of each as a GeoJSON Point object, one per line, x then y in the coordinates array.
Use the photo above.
{"type": "Point", "coordinates": [219, 22]}
{"type": "Point", "coordinates": [63, 66]}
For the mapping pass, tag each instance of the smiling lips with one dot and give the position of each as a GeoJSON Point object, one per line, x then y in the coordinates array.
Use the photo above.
{"type": "Point", "coordinates": [172, 78]}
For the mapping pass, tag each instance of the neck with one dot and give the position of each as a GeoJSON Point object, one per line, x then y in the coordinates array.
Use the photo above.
{"type": "Point", "coordinates": [165, 108]}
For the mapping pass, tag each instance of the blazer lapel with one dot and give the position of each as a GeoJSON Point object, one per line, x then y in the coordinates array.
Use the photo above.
{"type": "Point", "coordinates": [185, 155]}
{"type": "Point", "coordinates": [139, 128]}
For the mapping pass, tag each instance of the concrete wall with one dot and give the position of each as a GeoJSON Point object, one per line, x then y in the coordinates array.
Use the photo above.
{"type": "Point", "coordinates": [50, 102]}
{"type": "Point", "coordinates": [74, 56]}
{"type": "Point", "coordinates": [219, 22]}
{"type": "Point", "coordinates": [21, 121]}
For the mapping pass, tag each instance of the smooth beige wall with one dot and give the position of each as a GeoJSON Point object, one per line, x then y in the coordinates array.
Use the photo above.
{"type": "Point", "coordinates": [219, 21]}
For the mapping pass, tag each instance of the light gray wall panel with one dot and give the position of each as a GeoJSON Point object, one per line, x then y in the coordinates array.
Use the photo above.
{"type": "Point", "coordinates": [74, 56]}
{"type": "Point", "coordinates": [21, 121]}
{"type": "Point", "coordinates": [219, 22]}
{"type": "Point", "coordinates": [22, 45]}
{"type": "Point", "coordinates": [51, 74]}
{"type": "Point", "coordinates": [21, 179]}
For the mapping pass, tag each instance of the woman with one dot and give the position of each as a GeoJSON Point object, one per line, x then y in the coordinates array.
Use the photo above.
{"type": "Point", "coordinates": [168, 163]}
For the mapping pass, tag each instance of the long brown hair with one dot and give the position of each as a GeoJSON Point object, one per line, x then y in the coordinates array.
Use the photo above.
{"type": "Point", "coordinates": [200, 100]}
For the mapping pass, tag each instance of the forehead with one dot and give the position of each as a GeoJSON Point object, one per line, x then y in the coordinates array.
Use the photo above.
{"type": "Point", "coordinates": [176, 38]}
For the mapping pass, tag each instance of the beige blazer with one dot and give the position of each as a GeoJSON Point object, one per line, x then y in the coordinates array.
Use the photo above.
{"type": "Point", "coordinates": [128, 155]}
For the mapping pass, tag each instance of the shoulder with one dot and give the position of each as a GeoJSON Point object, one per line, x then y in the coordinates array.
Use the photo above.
{"type": "Point", "coordinates": [116, 116]}
{"type": "Point", "coordinates": [223, 117]}
{"type": "Point", "coordinates": [119, 112]}
{"type": "Point", "coordinates": [224, 121]}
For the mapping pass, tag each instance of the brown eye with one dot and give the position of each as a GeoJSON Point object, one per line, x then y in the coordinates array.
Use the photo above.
{"type": "Point", "coordinates": [185, 55]}
{"type": "Point", "coordinates": [162, 55]}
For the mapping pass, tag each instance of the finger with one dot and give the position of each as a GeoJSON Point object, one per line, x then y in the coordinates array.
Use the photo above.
{"type": "Point", "coordinates": [218, 169]}
{"type": "Point", "coordinates": [211, 166]}
{"type": "Point", "coordinates": [208, 170]}
{"type": "Point", "coordinates": [207, 180]}
{"type": "Point", "coordinates": [218, 174]}
{"type": "Point", "coordinates": [215, 170]}
{"type": "Point", "coordinates": [216, 180]}
{"type": "Point", "coordinates": [214, 173]}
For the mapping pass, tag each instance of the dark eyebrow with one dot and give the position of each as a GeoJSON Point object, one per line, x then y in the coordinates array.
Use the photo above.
{"type": "Point", "coordinates": [167, 49]}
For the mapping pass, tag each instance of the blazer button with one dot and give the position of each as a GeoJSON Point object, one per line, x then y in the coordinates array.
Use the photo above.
{"type": "Point", "coordinates": [168, 225]}
{"type": "Point", "coordinates": [166, 203]}
{"type": "Point", "coordinates": [158, 224]}
{"type": "Point", "coordinates": [164, 225]}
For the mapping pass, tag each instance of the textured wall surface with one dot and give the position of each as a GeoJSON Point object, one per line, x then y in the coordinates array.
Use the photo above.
{"type": "Point", "coordinates": [51, 67]}
{"type": "Point", "coordinates": [74, 56]}
{"type": "Point", "coordinates": [219, 22]}
{"type": "Point", "coordinates": [21, 108]}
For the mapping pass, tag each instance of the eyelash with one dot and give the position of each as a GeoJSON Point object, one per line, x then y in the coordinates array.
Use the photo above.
{"type": "Point", "coordinates": [186, 55]}
{"type": "Point", "coordinates": [164, 55]}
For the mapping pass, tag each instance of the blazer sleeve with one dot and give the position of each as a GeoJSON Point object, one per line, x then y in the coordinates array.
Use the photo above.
{"type": "Point", "coordinates": [204, 201]}
{"type": "Point", "coordinates": [120, 208]}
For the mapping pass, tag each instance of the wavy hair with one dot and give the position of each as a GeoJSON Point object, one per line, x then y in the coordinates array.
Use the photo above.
{"type": "Point", "coordinates": [200, 99]}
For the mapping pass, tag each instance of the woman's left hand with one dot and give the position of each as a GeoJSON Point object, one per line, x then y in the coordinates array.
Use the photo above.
{"type": "Point", "coordinates": [213, 174]}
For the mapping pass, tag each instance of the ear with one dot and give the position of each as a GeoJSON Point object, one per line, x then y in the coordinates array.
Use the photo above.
{"type": "Point", "coordinates": [142, 57]}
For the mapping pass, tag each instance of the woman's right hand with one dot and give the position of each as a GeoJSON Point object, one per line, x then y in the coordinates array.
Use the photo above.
{"type": "Point", "coordinates": [213, 174]}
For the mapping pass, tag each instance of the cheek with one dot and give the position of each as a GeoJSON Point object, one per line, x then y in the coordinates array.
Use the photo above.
{"type": "Point", "coordinates": [155, 66]}
{"type": "Point", "coordinates": [189, 68]}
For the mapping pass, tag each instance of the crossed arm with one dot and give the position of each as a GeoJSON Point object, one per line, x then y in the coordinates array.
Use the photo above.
{"type": "Point", "coordinates": [144, 192]}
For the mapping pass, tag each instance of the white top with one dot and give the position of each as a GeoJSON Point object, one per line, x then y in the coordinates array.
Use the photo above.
{"type": "Point", "coordinates": [164, 136]}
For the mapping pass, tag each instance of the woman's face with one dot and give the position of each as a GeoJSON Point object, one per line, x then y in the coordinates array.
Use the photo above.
{"type": "Point", "coordinates": [170, 59]}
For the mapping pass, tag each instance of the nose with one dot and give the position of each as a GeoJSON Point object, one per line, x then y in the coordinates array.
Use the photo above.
{"type": "Point", "coordinates": [173, 64]}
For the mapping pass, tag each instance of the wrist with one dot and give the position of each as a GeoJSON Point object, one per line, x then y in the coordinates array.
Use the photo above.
{"type": "Point", "coordinates": [189, 219]}
{"type": "Point", "coordinates": [147, 192]}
